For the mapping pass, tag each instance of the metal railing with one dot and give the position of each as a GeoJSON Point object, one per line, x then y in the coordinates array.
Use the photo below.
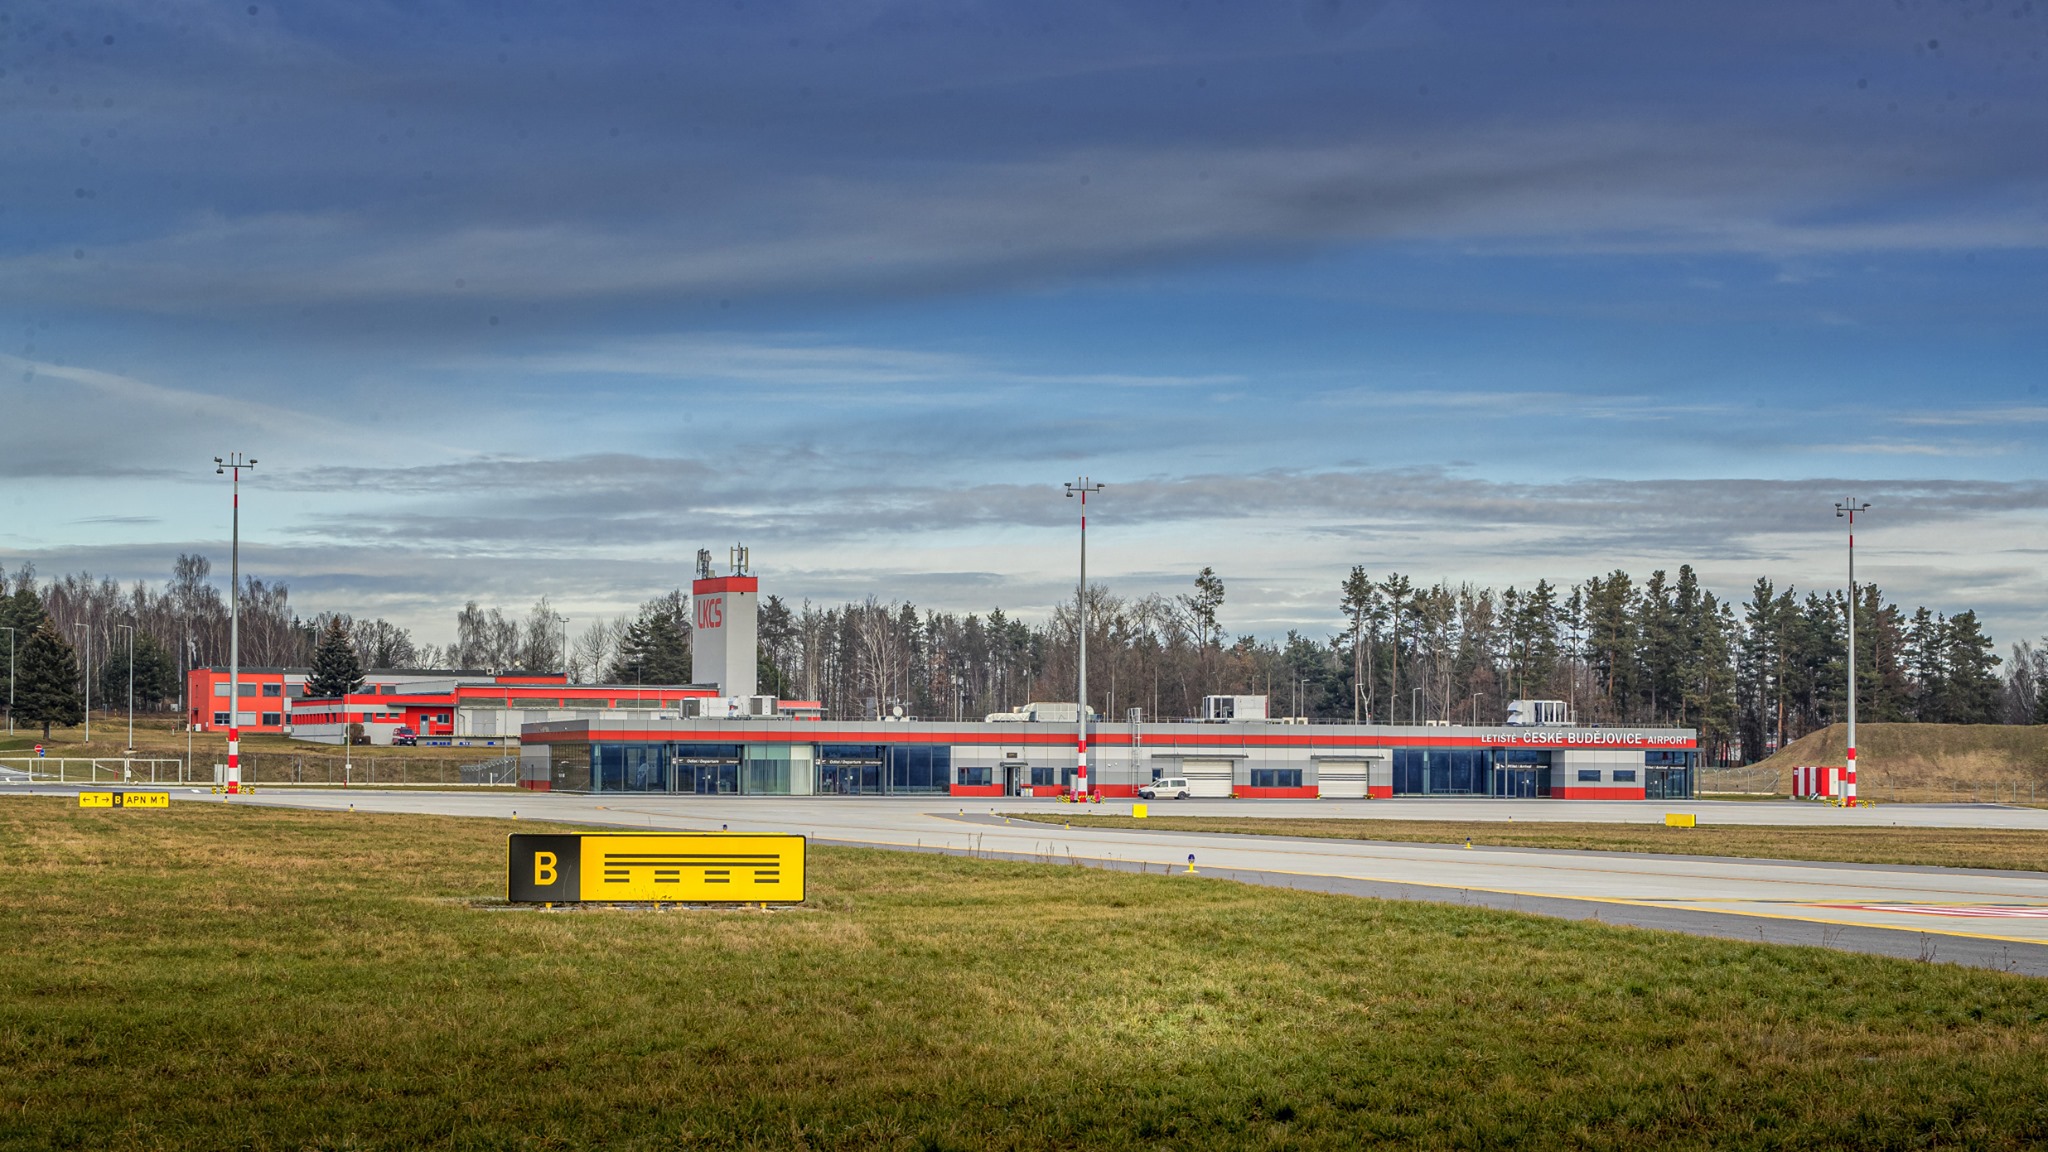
{"type": "Point", "coordinates": [268, 768]}
{"type": "Point", "coordinates": [93, 770]}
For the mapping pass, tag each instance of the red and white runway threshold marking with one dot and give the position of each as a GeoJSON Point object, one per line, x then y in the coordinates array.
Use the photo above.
{"type": "Point", "coordinates": [1992, 911]}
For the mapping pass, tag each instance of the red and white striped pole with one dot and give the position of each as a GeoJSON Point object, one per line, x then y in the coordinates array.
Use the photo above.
{"type": "Point", "coordinates": [1849, 509]}
{"type": "Point", "coordinates": [1082, 488]}
{"type": "Point", "coordinates": [232, 466]}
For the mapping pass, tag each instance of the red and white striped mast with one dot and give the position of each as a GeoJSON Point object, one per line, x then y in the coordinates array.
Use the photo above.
{"type": "Point", "coordinates": [232, 467]}
{"type": "Point", "coordinates": [1850, 508]}
{"type": "Point", "coordinates": [1082, 488]}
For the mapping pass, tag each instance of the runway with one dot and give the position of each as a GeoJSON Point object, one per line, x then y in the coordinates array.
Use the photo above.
{"type": "Point", "coordinates": [1978, 917]}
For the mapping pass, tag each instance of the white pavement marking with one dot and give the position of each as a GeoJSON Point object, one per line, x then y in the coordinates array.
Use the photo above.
{"type": "Point", "coordinates": [1825, 893]}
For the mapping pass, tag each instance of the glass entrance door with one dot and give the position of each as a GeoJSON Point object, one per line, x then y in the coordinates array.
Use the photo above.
{"type": "Point", "coordinates": [1667, 783]}
{"type": "Point", "coordinates": [849, 769]}
{"type": "Point", "coordinates": [1518, 783]}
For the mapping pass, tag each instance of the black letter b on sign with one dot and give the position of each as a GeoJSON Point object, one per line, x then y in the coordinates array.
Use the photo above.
{"type": "Point", "coordinates": [544, 869]}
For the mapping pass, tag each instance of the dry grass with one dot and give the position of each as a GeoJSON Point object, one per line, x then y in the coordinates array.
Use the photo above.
{"type": "Point", "coordinates": [219, 977]}
{"type": "Point", "coordinates": [1927, 762]}
{"type": "Point", "coordinates": [2006, 848]}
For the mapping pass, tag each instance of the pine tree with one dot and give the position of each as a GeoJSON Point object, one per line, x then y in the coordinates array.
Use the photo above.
{"type": "Point", "coordinates": [23, 613]}
{"type": "Point", "coordinates": [1971, 671]}
{"type": "Point", "coordinates": [1203, 604]}
{"type": "Point", "coordinates": [47, 684]}
{"type": "Point", "coordinates": [336, 669]}
{"type": "Point", "coordinates": [1360, 603]}
{"type": "Point", "coordinates": [156, 678]}
{"type": "Point", "coordinates": [656, 647]}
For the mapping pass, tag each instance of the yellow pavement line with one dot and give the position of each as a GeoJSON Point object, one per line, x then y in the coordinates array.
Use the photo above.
{"type": "Point", "coordinates": [1868, 924]}
{"type": "Point", "coordinates": [1624, 902]}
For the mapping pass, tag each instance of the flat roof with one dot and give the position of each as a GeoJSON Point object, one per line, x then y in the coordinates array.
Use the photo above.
{"type": "Point", "coordinates": [1164, 738]}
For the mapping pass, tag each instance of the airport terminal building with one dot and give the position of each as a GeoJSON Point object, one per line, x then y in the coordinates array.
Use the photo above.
{"type": "Point", "coordinates": [1232, 750]}
{"type": "Point", "coordinates": [1241, 758]}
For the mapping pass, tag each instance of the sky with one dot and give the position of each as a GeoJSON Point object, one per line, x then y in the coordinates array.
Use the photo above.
{"type": "Point", "coordinates": [518, 299]}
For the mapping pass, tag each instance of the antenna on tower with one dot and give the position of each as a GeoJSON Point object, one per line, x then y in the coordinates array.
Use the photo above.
{"type": "Point", "coordinates": [739, 559]}
{"type": "Point", "coordinates": [703, 563]}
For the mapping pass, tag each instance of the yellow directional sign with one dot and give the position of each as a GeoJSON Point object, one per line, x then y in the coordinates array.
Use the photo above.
{"type": "Point", "coordinates": [685, 867]}
{"type": "Point", "coordinates": [124, 799]}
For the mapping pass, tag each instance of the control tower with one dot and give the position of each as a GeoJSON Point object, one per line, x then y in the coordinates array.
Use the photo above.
{"type": "Point", "coordinates": [725, 626]}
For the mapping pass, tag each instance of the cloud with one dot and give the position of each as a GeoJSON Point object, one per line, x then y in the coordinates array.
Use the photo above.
{"type": "Point", "coordinates": [1600, 187]}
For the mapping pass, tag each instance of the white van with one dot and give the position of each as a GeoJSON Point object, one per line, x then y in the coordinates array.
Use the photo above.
{"type": "Point", "coordinates": [1172, 786]}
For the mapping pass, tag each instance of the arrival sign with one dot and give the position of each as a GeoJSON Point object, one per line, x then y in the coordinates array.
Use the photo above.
{"type": "Point", "coordinates": [685, 867]}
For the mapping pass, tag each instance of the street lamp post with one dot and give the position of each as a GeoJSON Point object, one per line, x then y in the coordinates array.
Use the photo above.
{"type": "Point", "coordinates": [88, 684]}
{"type": "Point", "coordinates": [232, 467]}
{"type": "Point", "coordinates": [1415, 706]}
{"type": "Point", "coordinates": [1475, 708]}
{"type": "Point", "coordinates": [1082, 488]}
{"type": "Point", "coordinates": [1850, 508]}
{"type": "Point", "coordinates": [10, 679]}
{"type": "Point", "coordinates": [131, 685]}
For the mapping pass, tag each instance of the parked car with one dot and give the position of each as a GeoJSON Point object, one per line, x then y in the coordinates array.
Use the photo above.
{"type": "Point", "coordinates": [404, 737]}
{"type": "Point", "coordinates": [1172, 786]}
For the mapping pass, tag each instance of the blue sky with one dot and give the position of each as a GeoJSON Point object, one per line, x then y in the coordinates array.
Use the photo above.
{"type": "Point", "coordinates": [517, 299]}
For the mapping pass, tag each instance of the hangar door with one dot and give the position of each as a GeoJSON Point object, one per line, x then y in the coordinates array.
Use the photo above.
{"type": "Point", "coordinates": [1342, 779]}
{"type": "Point", "coordinates": [1207, 777]}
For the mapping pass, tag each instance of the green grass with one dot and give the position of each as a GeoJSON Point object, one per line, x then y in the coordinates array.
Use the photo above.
{"type": "Point", "coordinates": [2005, 848]}
{"type": "Point", "coordinates": [215, 977]}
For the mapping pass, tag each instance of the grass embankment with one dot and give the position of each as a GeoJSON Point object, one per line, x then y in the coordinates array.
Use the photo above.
{"type": "Point", "coordinates": [1927, 762]}
{"type": "Point", "coordinates": [239, 977]}
{"type": "Point", "coordinates": [1938, 847]}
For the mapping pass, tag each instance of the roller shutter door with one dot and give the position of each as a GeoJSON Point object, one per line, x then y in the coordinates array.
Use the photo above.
{"type": "Point", "coordinates": [1207, 777]}
{"type": "Point", "coordinates": [1342, 779]}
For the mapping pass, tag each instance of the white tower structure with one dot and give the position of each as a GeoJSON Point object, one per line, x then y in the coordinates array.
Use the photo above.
{"type": "Point", "coordinates": [725, 626]}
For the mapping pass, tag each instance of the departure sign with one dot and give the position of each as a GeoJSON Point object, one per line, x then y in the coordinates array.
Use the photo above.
{"type": "Point", "coordinates": [684, 867]}
{"type": "Point", "coordinates": [124, 799]}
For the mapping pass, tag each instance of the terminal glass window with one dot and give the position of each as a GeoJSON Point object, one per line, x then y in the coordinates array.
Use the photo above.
{"type": "Point", "coordinates": [850, 769]}
{"type": "Point", "coordinates": [1276, 777]}
{"type": "Point", "coordinates": [768, 770]}
{"type": "Point", "coordinates": [1668, 775]}
{"type": "Point", "coordinates": [273, 689]}
{"type": "Point", "coordinates": [706, 769]}
{"type": "Point", "coordinates": [920, 768]}
{"type": "Point", "coordinates": [1521, 773]}
{"type": "Point", "coordinates": [1046, 776]}
{"type": "Point", "coordinates": [977, 777]}
{"type": "Point", "coordinates": [1511, 772]}
{"type": "Point", "coordinates": [1408, 772]}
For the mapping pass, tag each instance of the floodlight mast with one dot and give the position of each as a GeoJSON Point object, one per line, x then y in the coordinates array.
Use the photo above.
{"type": "Point", "coordinates": [131, 684]}
{"type": "Point", "coordinates": [1850, 508]}
{"type": "Point", "coordinates": [86, 631]}
{"type": "Point", "coordinates": [232, 467]}
{"type": "Point", "coordinates": [1082, 488]}
{"type": "Point", "coordinates": [10, 679]}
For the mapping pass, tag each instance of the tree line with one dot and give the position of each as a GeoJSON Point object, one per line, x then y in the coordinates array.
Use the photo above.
{"type": "Point", "coordinates": [1749, 677]}
{"type": "Point", "coordinates": [1663, 650]}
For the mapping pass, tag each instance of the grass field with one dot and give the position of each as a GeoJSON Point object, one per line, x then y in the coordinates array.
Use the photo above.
{"type": "Point", "coordinates": [215, 977]}
{"type": "Point", "coordinates": [1926, 762]}
{"type": "Point", "coordinates": [1938, 847]}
